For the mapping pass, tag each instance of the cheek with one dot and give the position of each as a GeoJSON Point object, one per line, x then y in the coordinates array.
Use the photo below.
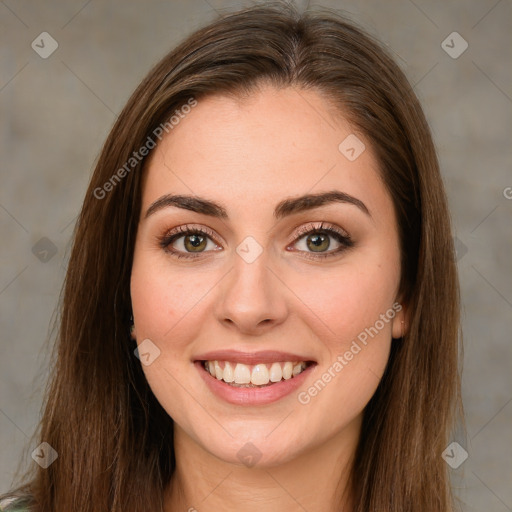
{"type": "Point", "coordinates": [165, 298]}
{"type": "Point", "coordinates": [347, 300]}
{"type": "Point", "coordinates": [356, 346]}
{"type": "Point", "coordinates": [167, 310]}
{"type": "Point", "coordinates": [350, 310]}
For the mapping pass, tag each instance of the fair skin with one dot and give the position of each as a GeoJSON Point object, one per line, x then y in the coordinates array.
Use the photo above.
{"type": "Point", "coordinates": [248, 156]}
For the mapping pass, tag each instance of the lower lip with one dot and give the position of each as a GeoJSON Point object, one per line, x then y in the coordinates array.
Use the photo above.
{"type": "Point", "coordinates": [252, 396]}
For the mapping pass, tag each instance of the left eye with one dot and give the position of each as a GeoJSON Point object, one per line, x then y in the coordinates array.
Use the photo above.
{"type": "Point", "coordinates": [317, 241]}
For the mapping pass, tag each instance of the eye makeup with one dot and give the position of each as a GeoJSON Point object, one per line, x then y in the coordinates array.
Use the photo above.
{"type": "Point", "coordinates": [312, 232]}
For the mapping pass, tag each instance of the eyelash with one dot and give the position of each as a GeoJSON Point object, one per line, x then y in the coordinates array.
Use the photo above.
{"type": "Point", "coordinates": [309, 229]}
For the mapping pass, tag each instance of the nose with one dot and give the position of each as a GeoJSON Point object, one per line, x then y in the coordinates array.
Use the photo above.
{"type": "Point", "coordinates": [251, 297]}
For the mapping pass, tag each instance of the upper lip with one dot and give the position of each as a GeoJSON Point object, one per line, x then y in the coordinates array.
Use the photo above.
{"type": "Point", "coordinates": [250, 358]}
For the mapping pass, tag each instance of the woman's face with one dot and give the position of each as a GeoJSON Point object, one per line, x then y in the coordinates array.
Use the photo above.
{"type": "Point", "coordinates": [269, 282]}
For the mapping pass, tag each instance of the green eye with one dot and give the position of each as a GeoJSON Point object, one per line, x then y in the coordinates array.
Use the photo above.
{"type": "Point", "coordinates": [318, 242]}
{"type": "Point", "coordinates": [194, 242]}
{"type": "Point", "coordinates": [314, 241]}
{"type": "Point", "coordinates": [185, 241]}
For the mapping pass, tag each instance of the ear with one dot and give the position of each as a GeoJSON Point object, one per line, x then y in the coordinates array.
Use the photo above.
{"type": "Point", "coordinates": [133, 334]}
{"type": "Point", "coordinates": [400, 323]}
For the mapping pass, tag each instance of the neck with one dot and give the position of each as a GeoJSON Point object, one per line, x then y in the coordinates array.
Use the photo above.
{"type": "Point", "coordinates": [316, 480]}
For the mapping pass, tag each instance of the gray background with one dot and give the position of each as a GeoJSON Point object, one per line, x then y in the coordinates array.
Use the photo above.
{"type": "Point", "coordinates": [56, 112]}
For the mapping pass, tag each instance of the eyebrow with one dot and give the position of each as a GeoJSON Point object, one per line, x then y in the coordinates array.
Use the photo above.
{"type": "Point", "coordinates": [283, 209]}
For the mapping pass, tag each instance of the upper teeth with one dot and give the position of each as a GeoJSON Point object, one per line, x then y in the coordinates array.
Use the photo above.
{"type": "Point", "coordinates": [258, 375]}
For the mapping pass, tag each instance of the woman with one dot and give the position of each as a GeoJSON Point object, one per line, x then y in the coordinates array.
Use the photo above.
{"type": "Point", "coordinates": [261, 306]}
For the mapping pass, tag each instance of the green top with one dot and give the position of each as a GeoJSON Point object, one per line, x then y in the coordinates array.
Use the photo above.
{"type": "Point", "coordinates": [13, 506]}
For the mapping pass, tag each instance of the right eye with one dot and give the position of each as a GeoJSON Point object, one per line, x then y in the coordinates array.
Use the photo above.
{"type": "Point", "coordinates": [188, 242]}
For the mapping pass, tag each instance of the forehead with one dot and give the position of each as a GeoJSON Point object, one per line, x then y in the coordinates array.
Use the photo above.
{"type": "Point", "coordinates": [250, 153]}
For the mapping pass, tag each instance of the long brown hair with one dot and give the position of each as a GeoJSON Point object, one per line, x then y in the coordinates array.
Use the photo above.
{"type": "Point", "coordinates": [114, 440]}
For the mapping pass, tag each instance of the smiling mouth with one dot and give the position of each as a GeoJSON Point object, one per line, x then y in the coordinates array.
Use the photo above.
{"type": "Point", "coordinates": [255, 376]}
